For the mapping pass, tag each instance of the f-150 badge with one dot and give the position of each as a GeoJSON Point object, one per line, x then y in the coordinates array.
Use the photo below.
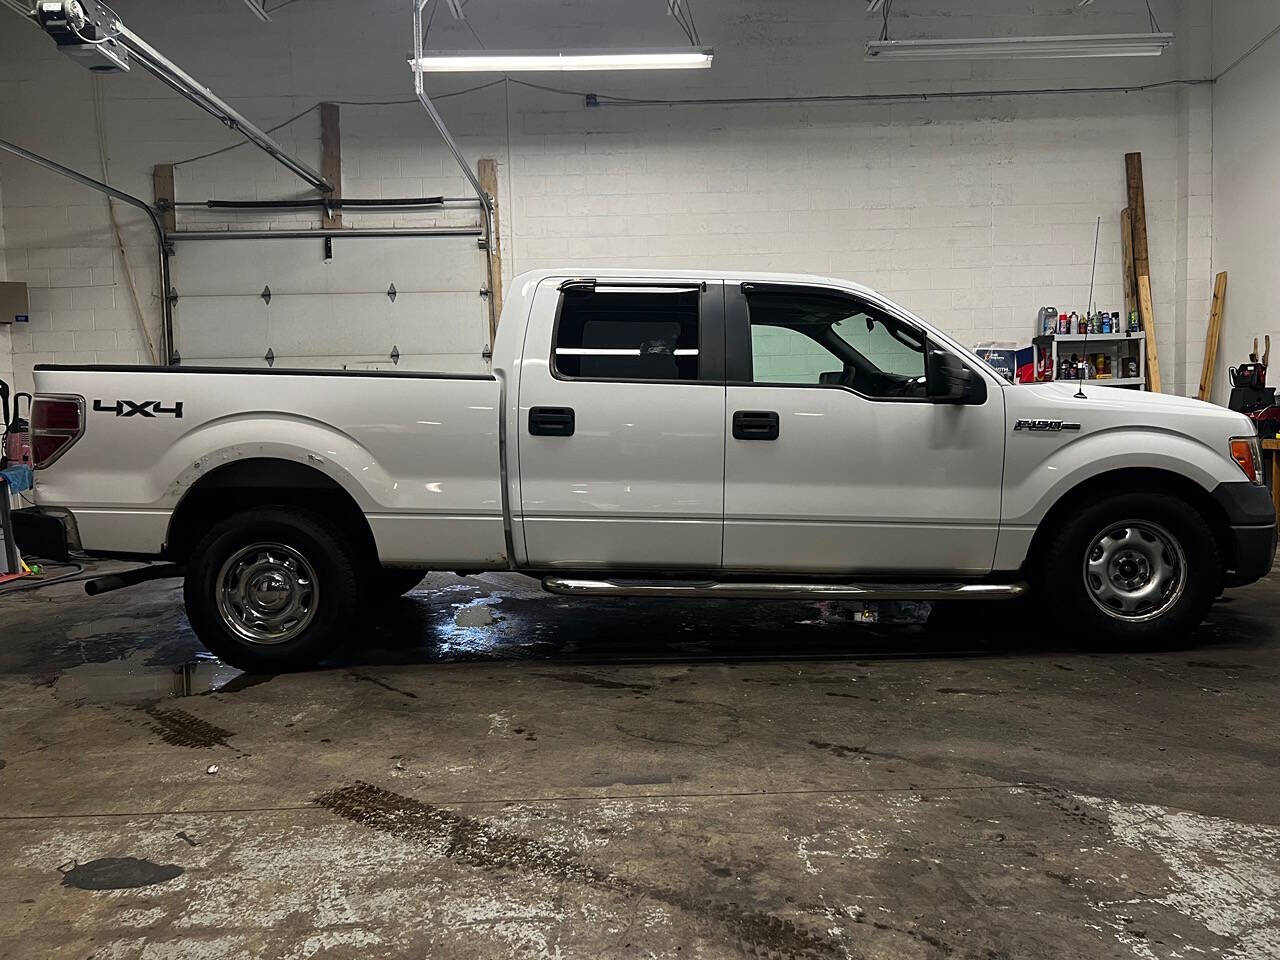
{"type": "Point", "coordinates": [1045, 426]}
{"type": "Point", "coordinates": [136, 408]}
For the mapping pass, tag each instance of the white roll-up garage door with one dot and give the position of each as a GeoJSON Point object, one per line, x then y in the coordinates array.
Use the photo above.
{"type": "Point", "coordinates": [335, 313]}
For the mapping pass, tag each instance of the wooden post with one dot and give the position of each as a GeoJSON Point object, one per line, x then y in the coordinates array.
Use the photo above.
{"type": "Point", "coordinates": [331, 160]}
{"type": "Point", "coordinates": [1138, 212]}
{"type": "Point", "coordinates": [1126, 257]}
{"type": "Point", "coordinates": [1142, 263]}
{"type": "Point", "coordinates": [165, 196]}
{"type": "Point", "coordinates": [1149, 328]}
{"type": "Point", "coordinates": [487, 172]}
{"type": "Point", "coordinates": [1211, 338]}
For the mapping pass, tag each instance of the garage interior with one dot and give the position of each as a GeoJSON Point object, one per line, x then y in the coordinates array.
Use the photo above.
{"type": "Point", "coordinates": [493, 771]}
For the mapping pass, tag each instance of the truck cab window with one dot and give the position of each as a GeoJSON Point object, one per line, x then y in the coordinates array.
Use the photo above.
{"type": "Point", "coordinates": [821, 340]}
{"type": "Point", "coordinates": [627, 335]}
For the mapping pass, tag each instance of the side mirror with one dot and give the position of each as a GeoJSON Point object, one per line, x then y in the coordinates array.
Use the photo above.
{"type": "Point", "coordinates": [948, 380]}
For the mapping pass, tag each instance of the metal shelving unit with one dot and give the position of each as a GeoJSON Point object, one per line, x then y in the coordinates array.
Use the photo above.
{"type": "Point", "coordinates": [1112, 344]}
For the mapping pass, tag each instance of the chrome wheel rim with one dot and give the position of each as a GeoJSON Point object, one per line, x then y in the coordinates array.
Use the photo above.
{"type": "Point", "coordinates": [267, 593]}
{"type": "Point", "coordinates": [1135, 570]}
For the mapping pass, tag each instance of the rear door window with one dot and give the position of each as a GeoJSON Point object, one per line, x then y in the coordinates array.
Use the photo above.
{"type": "Point", "coordinates": [648, 334]}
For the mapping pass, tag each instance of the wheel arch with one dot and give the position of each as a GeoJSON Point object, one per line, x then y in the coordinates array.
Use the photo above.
{"type": "Point", "coordinates": [262, 481]}
{"type": "Point", "coordinates": [1131, 480]}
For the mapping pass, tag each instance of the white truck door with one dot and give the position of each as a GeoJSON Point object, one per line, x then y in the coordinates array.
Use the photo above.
{"type": "Point", "coordinates": [834, 460]}
{"type": "Point", "coordinates": [621, 424]}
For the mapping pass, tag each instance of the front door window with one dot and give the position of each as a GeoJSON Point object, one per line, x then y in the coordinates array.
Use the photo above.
{"type": "Point", "coordinates": [821, 340]}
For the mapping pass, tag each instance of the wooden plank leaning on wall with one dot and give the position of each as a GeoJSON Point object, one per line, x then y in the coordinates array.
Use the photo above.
{"type": "Point", "coordinates": [1211, 338]}
{"type": "Point", "coordinates": [1142, 264]}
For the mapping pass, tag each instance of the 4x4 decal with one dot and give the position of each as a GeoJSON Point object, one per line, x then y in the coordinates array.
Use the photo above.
{"type": "Point", "coordinates": [139, 408]}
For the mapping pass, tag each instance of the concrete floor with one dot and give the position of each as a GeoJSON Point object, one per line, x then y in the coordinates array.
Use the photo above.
{"type": "Point", "coordinates": [633, 779]}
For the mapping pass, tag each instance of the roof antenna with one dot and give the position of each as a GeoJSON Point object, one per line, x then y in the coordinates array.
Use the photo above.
{"type": "Point", "coordinates": [1084, 364]}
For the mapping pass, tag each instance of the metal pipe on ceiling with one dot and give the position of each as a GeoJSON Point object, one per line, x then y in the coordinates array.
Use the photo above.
{"type": "Point", "coordinates": [170, 73]}
{"type": "Point", "coordinates": [177, 79]}
{"type": "Point", "coordinates": [166, 332]}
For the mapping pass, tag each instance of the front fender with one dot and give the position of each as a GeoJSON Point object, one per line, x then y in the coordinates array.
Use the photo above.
{"type": "Point", "coordinates": [1036, 479]}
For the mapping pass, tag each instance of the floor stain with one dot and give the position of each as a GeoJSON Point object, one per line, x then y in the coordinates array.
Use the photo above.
{"type": "Point", "coordinates": [118, 873]}
{"type": "Point", "coordinates": [384, 685]}
{"type": "Point", "coordinates": [971, 691]}
{"type": "Point", "coordinates": [186, 838]}
{"type": "Point", "coordinates": [840, 750]}
{"type": "Point", "coordinates": [593, 681]}
{"type": "Point", "coordinates": [473, 842]}
{"type": "Point", "coordinates": [181, 729]}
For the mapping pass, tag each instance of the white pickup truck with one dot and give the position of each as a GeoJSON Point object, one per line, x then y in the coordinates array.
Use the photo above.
{"type": "Point", "coordinates": [666, 434]}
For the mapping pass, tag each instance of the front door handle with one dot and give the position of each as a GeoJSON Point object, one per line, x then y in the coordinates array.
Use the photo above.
{"type": "Point", "coordinates": [755, 425]}
{"type": "Point", "coordinates": [551, 421]}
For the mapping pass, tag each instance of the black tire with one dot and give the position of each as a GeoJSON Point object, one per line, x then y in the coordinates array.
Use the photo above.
{"type": "Point", "coordinates": [296, 535]}
{"type": "Point", "coordinates": [387, 583]}
{"type": "Point", "coordinates": [1164, 525]}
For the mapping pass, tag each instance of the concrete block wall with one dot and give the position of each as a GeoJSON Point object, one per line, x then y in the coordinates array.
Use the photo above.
{"type": "Point", "coordinates": [972, 212]}
{"type": "Point", "coordinates": [1246, 203]}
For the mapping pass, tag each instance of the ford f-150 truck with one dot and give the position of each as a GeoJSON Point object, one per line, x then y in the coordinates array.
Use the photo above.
{"type": "Point", "coordinates": [667, 434]}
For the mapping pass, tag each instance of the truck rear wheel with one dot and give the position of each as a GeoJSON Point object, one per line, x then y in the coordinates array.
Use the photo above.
{"type": "Point", "coordinates": [271, 589]}
{"type": "Point", "coordinates": [1130, 570]}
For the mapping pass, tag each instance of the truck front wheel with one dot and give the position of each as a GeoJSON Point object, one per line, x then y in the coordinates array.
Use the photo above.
{"type": "Point", "coordinates": [271, 589]}
{"type": "Point", "coordinates": [1130, 569]}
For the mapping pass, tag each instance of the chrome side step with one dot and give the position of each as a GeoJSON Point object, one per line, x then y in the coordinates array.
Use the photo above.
{"type": "Point", "coordinates": [616, 587]}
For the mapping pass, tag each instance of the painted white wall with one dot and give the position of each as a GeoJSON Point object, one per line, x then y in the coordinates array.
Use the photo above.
{"type": "Point", "coordinates": [1246, 201]}
{"type": "Point", "coordinates": [973, 212]}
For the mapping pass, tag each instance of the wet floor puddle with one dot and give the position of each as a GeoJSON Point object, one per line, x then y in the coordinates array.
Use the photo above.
{"type": "Point", "coordinates": [133, 680]}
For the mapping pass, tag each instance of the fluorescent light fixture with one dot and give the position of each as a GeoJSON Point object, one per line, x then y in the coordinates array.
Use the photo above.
{"type": "Point", "coordinates": [512, 61]}
{"type": "Point", "coordinates": [1023, 48]}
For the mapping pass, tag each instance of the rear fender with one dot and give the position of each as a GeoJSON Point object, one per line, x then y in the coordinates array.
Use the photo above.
{"type": "Point", "coordinates": [283, 437]}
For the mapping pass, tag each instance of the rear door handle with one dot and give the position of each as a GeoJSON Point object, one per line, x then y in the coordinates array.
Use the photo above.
{"type": "Point", "coordinates": [551, 421]}
{"type": "Point", "coordinates": [755, 425]}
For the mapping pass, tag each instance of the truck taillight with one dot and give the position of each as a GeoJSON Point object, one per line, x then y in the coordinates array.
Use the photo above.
{"type": "Point", "coordinates": [56, 423]}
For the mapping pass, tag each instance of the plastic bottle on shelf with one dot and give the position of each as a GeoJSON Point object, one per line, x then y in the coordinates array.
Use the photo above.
{"type": "Point", "coordinates": [1048, 320]}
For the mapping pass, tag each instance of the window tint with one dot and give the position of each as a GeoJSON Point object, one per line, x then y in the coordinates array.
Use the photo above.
{"type": "Point", "coordinates": [832, 340]}
{"type": "Point", "coordinates": [642, 335]}
{"type": "Point", "coordinates": [881, 347]}
{"type": "Point", "coordinates": [785, 355]}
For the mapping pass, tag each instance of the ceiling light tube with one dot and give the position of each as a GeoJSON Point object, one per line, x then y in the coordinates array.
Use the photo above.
{"type": "Point", "coordinates": [512, 61]}
{"type": "Point", "coordinates": [1023, 48]}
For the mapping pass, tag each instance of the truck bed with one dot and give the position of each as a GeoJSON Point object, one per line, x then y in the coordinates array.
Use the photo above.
{"type": "Point", "coordinates": [153, 433]}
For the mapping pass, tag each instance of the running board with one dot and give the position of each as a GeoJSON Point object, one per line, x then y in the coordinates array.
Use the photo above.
{"type": "Point", "coordinates": [739, 590]}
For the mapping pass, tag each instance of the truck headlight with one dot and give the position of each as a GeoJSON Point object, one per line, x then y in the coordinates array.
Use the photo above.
{"type": "Point", "coordinates": [1247, 454]}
